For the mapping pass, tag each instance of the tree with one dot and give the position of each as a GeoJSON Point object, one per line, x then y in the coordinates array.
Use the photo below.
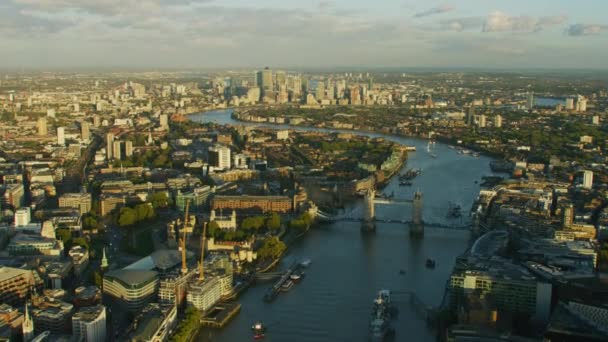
{"type": "Point", "coordinates": [144, 212]}
{"type": "Point", "coordinates": [159, 200]}
{"type": "Point", "coordinates": [64, 235]}
{"type": "Point", "coordinates": [253, 223]}
{"type": "Point", "coordinates": [274, 222]}
{"type": "Point", "coordinates": [80, 242]}
{"type": "Point", "coordinates": [272, 248]}
{"type": "Point", "coordinates": [127, 217]}
{"type": "Point", "coordinates": [97, 279]}
{"type": "Point", "coordinates": [212, 229]}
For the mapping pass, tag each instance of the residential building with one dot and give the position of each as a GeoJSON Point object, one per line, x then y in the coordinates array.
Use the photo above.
{"type": "Point", "coordinates": [85, 133]}
{"type": "Point", "coordinates": [109, 145]}
{"type": "Point", "coordinates": [587, 179]}
{"type": "Point", "coordinates": [117, 150]}
{"type": "Point", "coordinates": [42, 126]}
{"type": "Point", "coordinates": [203, 295]}
{"type": "Point", "coordinates": [61, 136]}
{"type": "Point", "coordinates": [219, 157]}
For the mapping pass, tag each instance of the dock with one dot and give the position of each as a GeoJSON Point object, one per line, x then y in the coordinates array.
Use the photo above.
{"type": "Point", "coordinates": [276, 288]}
{"type": "Point", "coordinates": [220, 315]}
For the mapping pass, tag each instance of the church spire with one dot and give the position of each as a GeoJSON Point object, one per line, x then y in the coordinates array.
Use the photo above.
{"type": "Point", "coordinates": [27, 328]}
{"type": "Point", "coordinates": [104, 260]}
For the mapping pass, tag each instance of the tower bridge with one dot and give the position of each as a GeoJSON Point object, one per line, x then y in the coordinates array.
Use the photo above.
{"type": "Point", "coordinates": [369, 219]}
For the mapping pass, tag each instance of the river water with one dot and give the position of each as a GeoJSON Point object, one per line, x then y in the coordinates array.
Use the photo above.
{"type": "Point", "coordinates": [333, 301]}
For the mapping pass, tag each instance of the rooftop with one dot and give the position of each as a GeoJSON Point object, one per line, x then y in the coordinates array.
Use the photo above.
{"type": "Point", "coordinates": [132, 277]}
{"type": "Point", "coordinates": [89, 313]}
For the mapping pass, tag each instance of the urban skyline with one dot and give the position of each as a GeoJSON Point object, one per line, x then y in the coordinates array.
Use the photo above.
{"type": "Point", "coordinates": [214, 34]}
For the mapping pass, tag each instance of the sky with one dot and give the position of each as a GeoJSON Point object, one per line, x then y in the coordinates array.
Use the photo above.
{"type": "Point", "coordinates": [511, 34]}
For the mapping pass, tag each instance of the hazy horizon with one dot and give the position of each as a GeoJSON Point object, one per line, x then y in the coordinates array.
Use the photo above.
{"type": "Point", "coordinates": [214, 34]}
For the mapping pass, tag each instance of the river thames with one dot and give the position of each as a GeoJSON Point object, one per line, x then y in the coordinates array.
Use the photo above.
{"type": "Point", "coordinates": [333, 301]}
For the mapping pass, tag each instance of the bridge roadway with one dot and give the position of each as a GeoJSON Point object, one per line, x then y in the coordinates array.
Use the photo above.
{"type": "Point", "coordinates": [404, 222]}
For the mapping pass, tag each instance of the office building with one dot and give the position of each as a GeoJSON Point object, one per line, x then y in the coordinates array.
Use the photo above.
{"type": "Point", "coordinates": [31, 244]}
{"type": "Point", "coordinates": [320, 91]}
{"type": "Point", "coordinates": [155, 323]}
{"type": "Point", "coordinates": [61, 136]}
{"type": "Point", "coordinates": [42, 127]}
{"type": "Point", "coordinates": [254, 94]}
{"type": "Point", "coordinates": [96, 121]}
{"type": "Point", "coordinates": [595, 120]}
{"type": "Point", "coordinates": [53, 315]}
{"type": "Point", "coordinates": [569, 103]}
{"type": "Point", "coordinates": [587, 179]}
{"type": "Point", "coordinates": [80, 258]}
{"type": "Point", "coordinates": [198, 199]}
{"type": "Point", "coordinates": [128, 148]}
{"type": "Point", "coordinates": [109, 145]}
{"type": "Point", "coordinates": [264, 80]}
{"type": "Point", "coordinates": [22, 217]}
{"type": "Point", "coordinates": [16, 283]}
{"type": "Point", "coordinates": [513, 288]}
{"type": "Point", "coordinates": [13, 195]}
{"type": "Point", "coordinates": [134, 288]}
{"type": "Point", "coordinates": [85, 133]}
{"type": "Point", "coordinates": [87, 296]}
{"type": "Point", "coordinates": [530, 101]}
{"type": "Point", "coordinates": [80, 201]}
{"type": "Point", "coordinates": [282, 134]}
{"type": "Point", "coordinates": [219, 157]}
{"type": "Point", "coordinates": [89, 324]}
{"type": "Point", "coordinates": [117, 150]}
{"type": "Point", "coordinates": [203, 295]}
{"type": "Point", "coordinates": [355, 97]}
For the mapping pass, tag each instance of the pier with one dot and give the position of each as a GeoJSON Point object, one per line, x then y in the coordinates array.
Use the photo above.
{"type": "Point", "coordinates": [220, 315]}
{"type": "Point", "coordinates": [276, 288]}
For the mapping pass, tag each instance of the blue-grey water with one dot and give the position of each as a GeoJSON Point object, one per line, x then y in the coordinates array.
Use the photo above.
{"type": "Point", "coordinates": [549, 101]}
{"type": "Point", "coordinates": [333, 301]}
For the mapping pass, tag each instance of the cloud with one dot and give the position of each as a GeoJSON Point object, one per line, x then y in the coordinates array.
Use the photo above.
{"type": "Point", "coordinates": [461, 24]}
{"type": "Point", "coordinates": [585, 29]}
{"type": "Point", "coordinates": [502, 22]}
{"type": "Point", "coordinates": [435, 10]}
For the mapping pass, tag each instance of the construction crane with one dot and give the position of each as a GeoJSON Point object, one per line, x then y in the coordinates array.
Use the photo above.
{"type": "Point", "coordinates": [182, 241]}
{"type": "Point", "coordinates": [201, 273]}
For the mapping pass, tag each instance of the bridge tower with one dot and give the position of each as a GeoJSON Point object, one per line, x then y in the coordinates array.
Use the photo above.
{"type": "Point", "coordinates": [417, 226]}
{"type": "Point", "coordinates": [369, 218]}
